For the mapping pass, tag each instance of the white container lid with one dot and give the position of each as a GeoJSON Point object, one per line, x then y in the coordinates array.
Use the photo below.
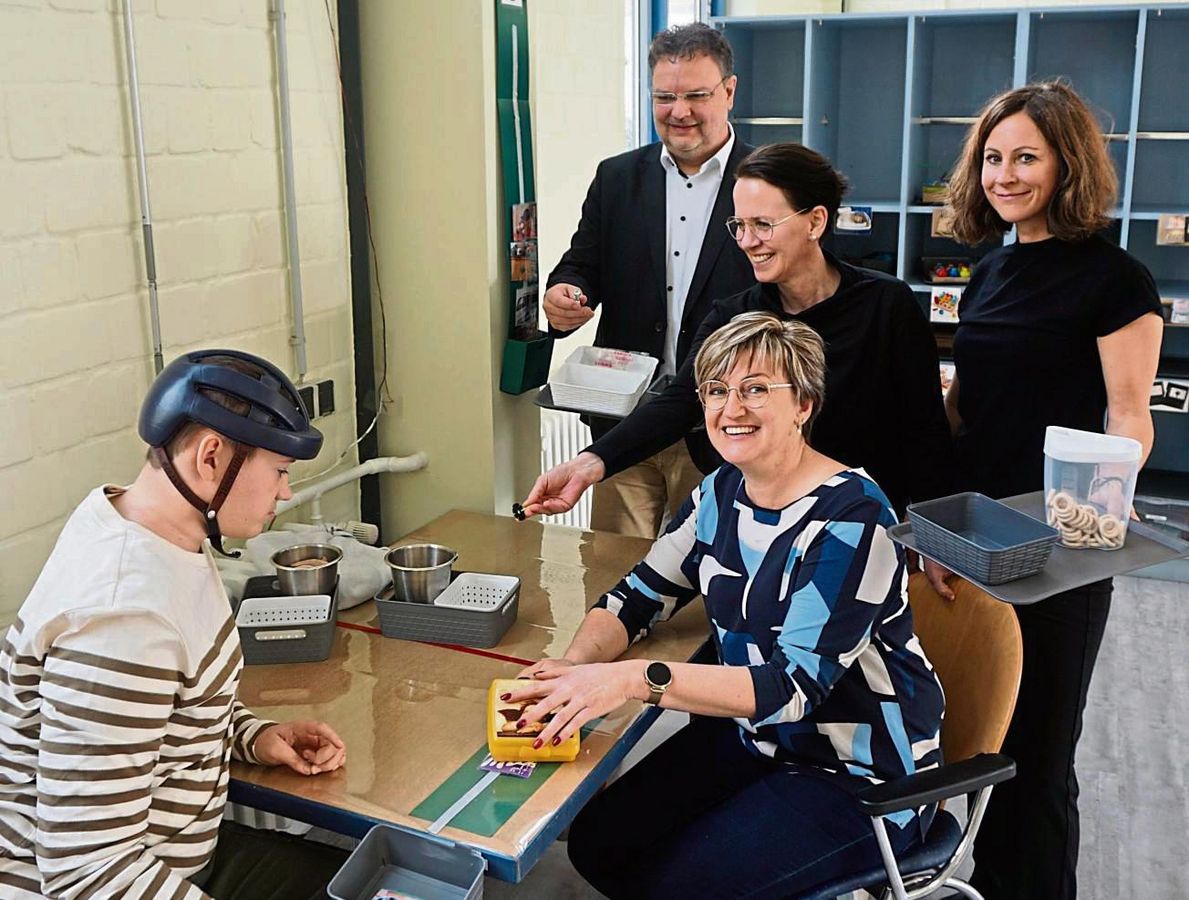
{"type": "Point", "coordinates": [1071, 445]}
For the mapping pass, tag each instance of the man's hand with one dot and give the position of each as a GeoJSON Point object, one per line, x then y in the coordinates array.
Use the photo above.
{"type": "Point", "coordinates": [559, 489]}
{"type": "Point", "coordinates": [937, 574]}
{"type": "Point", "coordinates": [307, 747]}
{"type": "Point", "coordinates": [566, 307]}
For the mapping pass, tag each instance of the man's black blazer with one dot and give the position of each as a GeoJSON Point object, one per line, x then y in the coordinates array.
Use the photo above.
{"type": "Point", "coordinates": [617, 256]}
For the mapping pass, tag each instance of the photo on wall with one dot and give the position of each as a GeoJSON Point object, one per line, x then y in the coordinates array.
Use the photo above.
{"type": "Point", "coordinates": [522, 256]}
{"type": "Point", "coordinates": [525, 321]}
{"type": "Point", "coordinates": [524, 221]}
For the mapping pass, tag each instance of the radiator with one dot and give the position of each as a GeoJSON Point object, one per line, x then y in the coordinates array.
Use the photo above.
{"type": "Point", "coordinates": [563, 435]}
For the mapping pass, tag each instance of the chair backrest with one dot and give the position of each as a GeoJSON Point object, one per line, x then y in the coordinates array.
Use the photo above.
{"type": "Point", "coordinates": [974, 644]}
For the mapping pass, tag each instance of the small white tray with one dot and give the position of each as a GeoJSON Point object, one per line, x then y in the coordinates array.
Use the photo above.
{"type": "Point", "coordinates": [473, 590]}
{"type": "Point", "coordinates": [287, 612]}
{"type": "Point", "coordinates": [580, 384]}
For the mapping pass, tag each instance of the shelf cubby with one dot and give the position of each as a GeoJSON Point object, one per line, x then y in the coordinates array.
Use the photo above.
{"type": "Point", "coordinates": [859, 67]}
{"type": "Point", "coordinates": [1162, 106]}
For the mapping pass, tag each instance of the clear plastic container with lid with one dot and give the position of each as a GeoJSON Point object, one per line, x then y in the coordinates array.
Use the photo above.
{"type": "Point", "coordinates": [1089, 486]}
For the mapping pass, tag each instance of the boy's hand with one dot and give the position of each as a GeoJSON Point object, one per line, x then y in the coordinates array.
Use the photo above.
{"type": "Point", "coordinates": [307, 747]}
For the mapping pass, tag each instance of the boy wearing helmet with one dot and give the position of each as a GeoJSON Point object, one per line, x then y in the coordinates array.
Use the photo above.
{"type": "Point", "coordinates": [118, 716]}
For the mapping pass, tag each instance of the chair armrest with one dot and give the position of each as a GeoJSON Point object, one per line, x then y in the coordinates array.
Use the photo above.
{"type": "Point", "coordinates": [932, 785]}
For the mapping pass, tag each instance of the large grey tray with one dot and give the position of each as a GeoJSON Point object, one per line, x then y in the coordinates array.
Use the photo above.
{"type": "Point", "coordinates": [1067, 568]}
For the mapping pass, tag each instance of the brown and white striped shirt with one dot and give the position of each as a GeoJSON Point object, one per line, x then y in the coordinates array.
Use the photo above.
{"type": "Point", "coordinates": [118, 716]}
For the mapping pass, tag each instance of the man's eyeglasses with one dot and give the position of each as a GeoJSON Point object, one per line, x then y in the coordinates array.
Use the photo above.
{"type": "Point", "coordinates": [753, 392]}
{"type": "Point", "coordinates": [693, 98]}
{"type": "Point", "coordinates": [761, 228]}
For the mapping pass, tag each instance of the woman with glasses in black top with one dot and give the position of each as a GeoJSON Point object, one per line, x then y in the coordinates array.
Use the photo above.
{"type": "Point", "coordinates": [884, 411]}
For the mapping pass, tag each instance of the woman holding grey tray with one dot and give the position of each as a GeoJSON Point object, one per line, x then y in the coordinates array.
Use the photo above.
{"type": "Point", "coordinates": [1061, 327]}
{"type": "Point", "coordinates": [820, 688]}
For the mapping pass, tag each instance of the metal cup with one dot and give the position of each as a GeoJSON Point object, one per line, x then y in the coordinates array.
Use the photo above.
{"type": "Point", "coordinates": [298, 580]}
{"type": "Point", "coordinates": [420, 571]}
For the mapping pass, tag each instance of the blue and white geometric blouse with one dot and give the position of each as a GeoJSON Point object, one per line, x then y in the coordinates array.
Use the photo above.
{"type": "Point", "coordinates": [813, 599]}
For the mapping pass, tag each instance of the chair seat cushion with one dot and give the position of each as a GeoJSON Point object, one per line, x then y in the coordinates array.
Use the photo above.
{"type": "Point", "coordinates": [940, 843]}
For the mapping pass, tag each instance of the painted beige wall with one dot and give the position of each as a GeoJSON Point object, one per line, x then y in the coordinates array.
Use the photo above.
{"type": "Point", "coordinates": [433, 185]}
{"type": "Point", "coordinates": [579, 66]}
{"type": "Point", "coordinates": [75, 350]}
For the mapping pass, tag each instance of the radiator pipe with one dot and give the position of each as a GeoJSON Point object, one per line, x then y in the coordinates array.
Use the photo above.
{"type": "Point", "coordinates": [297, 336]}
{"type": "Point", "coordinates": [142, 173]}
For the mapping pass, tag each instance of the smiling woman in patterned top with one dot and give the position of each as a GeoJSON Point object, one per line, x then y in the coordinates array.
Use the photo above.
{"type": "Point", "coordinates": [821, 687]}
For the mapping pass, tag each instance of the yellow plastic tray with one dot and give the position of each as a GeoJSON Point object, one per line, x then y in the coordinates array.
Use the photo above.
{"type": "Point", "coordinates": [509, 748]}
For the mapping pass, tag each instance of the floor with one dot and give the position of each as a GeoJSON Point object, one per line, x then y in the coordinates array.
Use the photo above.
{"type": "Point", "coordinates": [1131, 760]}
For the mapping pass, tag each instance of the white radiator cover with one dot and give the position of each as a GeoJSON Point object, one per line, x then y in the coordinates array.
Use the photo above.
{"type": "Point", "coordinates": [563, 435]}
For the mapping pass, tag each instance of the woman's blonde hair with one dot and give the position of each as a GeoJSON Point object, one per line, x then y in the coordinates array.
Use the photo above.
{"type": "Point", "coordinates": [790, 346]}
{"type": "Point", "coordinates": [1086, 181]}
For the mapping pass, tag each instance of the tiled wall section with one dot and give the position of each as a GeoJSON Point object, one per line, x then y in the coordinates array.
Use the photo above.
{"type": "Point", "coordinates": [75, 345]}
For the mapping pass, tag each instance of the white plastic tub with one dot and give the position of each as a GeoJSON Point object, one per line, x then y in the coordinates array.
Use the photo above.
{"type": "Point", "coordinates": [600, 380]}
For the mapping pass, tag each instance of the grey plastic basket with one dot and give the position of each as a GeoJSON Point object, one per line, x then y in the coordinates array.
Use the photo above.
{"type": "Point", "coordinates": [419, 865]}
{"type": "Point", "coordinates": [289, 630]}
{"type": "Point", "coordinates": [980, 537]}
{"type": "Point", "coordinates": [475, 610]}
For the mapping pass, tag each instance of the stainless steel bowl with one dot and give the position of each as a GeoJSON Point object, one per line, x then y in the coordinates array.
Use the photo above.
{"type": "Point", "coordinates": [296, 579]}
{"type": "Point", "coordinates": [420, 571]}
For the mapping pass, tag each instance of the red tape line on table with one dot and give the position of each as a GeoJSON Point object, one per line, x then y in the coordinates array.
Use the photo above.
{"type": "Point", "coordinates": [371, 629]}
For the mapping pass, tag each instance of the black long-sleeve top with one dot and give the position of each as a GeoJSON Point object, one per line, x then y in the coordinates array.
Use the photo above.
{"type": "Point", "coordinates": [883, 407]}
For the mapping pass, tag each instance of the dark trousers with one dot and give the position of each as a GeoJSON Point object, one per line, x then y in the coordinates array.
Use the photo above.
{"type": "Point", "coordinates": [253, 864]}
{"type": "Point", "coordinates": [1028, 844]}
{"type": "Point", "coordinates": [702, 817]}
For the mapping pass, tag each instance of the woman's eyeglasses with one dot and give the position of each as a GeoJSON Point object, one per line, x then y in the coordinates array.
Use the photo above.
{"type": "Point", "coordinates": [753, 392]}
{"type": "Point", "coordinates": [761, 228]}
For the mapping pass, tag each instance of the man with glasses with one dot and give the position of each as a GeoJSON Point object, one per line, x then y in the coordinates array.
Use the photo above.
{"type": "Point", "coordinates": [650, 250]}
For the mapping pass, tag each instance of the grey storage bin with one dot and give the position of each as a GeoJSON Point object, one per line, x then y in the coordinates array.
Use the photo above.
{"type": "Point", "coordinates": [980, 537]}
{"type": "Point", "coordinates": [475, 611]}
{"type": "Point", "coordinates": [420, 865]}
{"type": "Point", "coordinates": [276, 628]}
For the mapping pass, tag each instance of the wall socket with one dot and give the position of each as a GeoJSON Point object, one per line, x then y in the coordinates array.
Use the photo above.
{"type": "Point", "coordinates": [318, 399]}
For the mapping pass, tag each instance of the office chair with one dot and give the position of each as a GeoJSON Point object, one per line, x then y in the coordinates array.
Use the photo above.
{"type": "Point", "coordinates": [975, 647]}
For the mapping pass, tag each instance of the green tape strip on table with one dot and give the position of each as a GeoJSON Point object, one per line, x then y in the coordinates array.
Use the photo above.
{"type": "Point", "coordinates": [487, 813]}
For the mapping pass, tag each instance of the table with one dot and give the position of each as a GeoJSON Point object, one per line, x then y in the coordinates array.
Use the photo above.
{"type": "Point", "coordinates": [413, 715]}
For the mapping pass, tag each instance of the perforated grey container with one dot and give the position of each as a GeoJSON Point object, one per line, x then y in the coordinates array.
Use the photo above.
{"type": "Point", "coordinates": [475, 610]}
{"type": "Point", "coordinates": [980, 537]}
{"type": "Point", "coordinates": [275, 628]}
{"type": "Point", "coordinates": [414, 864]}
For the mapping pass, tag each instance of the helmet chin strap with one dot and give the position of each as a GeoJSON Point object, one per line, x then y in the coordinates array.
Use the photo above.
{"type": "Point", "coordinates": [210, 510]}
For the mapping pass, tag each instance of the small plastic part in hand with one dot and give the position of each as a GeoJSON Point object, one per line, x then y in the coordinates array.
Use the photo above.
{"type": "Point", "coordinates": [518, 512]}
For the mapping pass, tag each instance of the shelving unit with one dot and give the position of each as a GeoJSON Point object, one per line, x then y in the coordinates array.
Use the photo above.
{"type": "Point", "coordinates": [889, 99]}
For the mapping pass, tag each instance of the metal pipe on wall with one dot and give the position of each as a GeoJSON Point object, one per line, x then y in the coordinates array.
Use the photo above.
{"type": "Point", "coordinates": [298, 335]}
{"type": "Point", "coordinates": [146, 214]}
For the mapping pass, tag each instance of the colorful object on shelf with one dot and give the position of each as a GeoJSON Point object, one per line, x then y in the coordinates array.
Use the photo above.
{"type": "Point", "coordinates": [946, 270]}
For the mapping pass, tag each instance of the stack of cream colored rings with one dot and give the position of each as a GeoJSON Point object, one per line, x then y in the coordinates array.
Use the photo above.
{"type": "Point", "coordinates": [1082, 525]}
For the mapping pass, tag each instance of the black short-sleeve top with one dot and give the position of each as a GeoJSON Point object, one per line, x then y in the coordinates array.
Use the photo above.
{"type": "Point", "coordinates": [1026, 352]}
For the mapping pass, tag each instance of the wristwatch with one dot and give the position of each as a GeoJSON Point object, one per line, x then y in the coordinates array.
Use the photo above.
{"type": "Point", "coordinates": [659, 676]}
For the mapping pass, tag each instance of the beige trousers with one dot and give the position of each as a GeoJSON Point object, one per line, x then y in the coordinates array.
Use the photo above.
{"type": "Point", "coordinates": [639, 500]}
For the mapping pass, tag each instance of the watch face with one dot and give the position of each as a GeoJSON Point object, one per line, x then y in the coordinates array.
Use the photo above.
{"type": "Point", "coordinates": [659, 674]}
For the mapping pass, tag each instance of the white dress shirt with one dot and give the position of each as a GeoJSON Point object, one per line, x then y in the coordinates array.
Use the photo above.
{"type": "Point", "coordinates": [689, 200]}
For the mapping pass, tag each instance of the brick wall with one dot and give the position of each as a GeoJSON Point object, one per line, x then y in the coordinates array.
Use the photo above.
{"type": "Point", "coordinates": [75, 345]}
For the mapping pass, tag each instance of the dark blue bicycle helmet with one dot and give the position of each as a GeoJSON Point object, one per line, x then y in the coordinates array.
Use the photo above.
{"type": "Point", "coordinates": [275, 419]}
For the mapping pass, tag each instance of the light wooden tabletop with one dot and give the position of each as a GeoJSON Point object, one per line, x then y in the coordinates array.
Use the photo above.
{"type": "Point", "coordinates": [413, 715]}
